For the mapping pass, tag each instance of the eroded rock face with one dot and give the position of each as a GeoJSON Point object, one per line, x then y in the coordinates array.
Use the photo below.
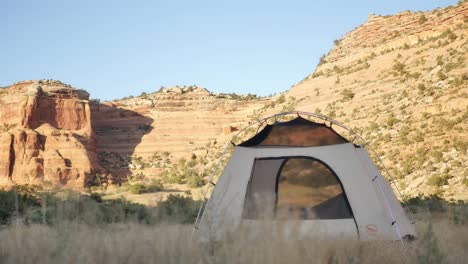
{"type": "Point", "coordinates": [381, 33]}
{"type": "Point", "coordinates": [177, 120]}
{"type": "Point", "coordinates": [46, 135]}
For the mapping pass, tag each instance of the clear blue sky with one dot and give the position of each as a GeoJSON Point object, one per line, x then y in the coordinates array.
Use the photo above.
{"type": "Point", "coordinates": [119, 48]}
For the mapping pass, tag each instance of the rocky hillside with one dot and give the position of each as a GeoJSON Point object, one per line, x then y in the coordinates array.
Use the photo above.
{"type": "Point", "coordinates": [401, 81]}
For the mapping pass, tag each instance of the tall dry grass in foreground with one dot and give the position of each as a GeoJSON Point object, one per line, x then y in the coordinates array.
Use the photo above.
{"type": "Point", "coordinates": [86, 229]}
{"type": "Point", "coordinates": [440, 242]}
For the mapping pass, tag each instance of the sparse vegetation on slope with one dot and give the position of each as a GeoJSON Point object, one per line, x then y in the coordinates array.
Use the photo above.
{"type": "Point", "coordinates": [408, 98]}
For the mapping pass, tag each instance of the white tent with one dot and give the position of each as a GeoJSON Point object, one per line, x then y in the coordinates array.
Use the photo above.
{"type": "Point", "coordinates": [305, 176]}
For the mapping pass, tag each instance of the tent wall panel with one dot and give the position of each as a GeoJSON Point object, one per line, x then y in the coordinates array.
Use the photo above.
{"type": "Point", "coordinates": [386, 195]}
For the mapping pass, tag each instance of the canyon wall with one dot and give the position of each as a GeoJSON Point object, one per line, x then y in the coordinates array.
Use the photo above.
{"type": "Point", "coordinates": [52, 134]}
{"type": "Point", "coordinates": [46, 135]}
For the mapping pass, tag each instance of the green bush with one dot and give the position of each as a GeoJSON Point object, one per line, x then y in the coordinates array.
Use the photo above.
{"type": "Point", "coordinates": [179, 209]}
{"type": "Point", "coordinates": [53, 208]}
{"type": "Point", "coordinates": [436, 180]}
{"type": "Point", "coordinates": [7, 206]}
{"type": "Point", "coordinates": [139, 188]}
{"type": "Point", "coordinates": [172, 176]}
{"type": "Point", "coordinates": [26, 197]}
{"type": "Point", "coordinates": [433, 203]}
{"type": "Point", "coordinates": [195, 181]}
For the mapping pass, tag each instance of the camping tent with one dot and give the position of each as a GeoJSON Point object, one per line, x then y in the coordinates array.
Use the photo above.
{"type": "Point", "coordinates": [306, 176]}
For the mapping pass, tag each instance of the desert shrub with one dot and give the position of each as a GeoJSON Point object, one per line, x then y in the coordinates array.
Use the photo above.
{"type": "Point", "coordinates": [392, 120]}
{"type": "Point", "coordinates": [7, 206]}
{"type": "Point", "coordinates": [317, 74]}
{"type": "Point", "coordinates": [195, 181]}
{"type": "Point", "coordinates": [23, 196]}
{"type": "Point", "coordinates": [317, 91]}
{"type": "Point", "coordinates": [398, 68]}
{"type": "Point", "coordinates": [85, 209]}
{"type": "Point", "coordinates": [436, 180]}
{"type": "Point", "coordinates": [347, 94]}
{"type": "Point", "coordinates": [407, 166]}
{"type": "Point", "coordinates": [322, 59]}
{"type": "Point", "coordinates": [139, 188]}
{"type": "Point", "coordinates": [449, 33]}
{"type": "Point", "coordinates": [170, 176]}
{"type": "Point", "coordinates": [414, 75]}
{"type": "Point", "coordinates": [281, 99]}
{"type": "Point", "coordinates": [422, 19]}
{"type": "Point", "coordinates": [184, 172]}
{"type": "Point", "coordinates": [179, 209]}
{"type": "Point", "coordinates": [441, 75]}
{"type": "Point", "coordinates": [432, 203]}
{"type": "Point", "coordinates": [337, 69]}
{"type": "Point", "coordinates": [159, 159]}
{"type": "Point", "coordinates": [138, 176]}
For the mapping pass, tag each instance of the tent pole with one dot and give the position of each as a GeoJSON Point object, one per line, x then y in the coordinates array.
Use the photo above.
{"type": "Point", "coordinates": [203, 204]}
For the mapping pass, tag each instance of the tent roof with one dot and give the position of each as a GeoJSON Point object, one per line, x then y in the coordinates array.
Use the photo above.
{"type": "Point", "coordinates": [298, 132]}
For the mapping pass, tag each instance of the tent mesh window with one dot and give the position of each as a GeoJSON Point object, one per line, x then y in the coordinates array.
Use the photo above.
{"type": "Point", "coordinates": [294, 188]}
{"type": "Point", "coordinates": [298, 132]}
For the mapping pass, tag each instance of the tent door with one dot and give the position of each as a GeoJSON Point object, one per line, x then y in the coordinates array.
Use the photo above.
{"type": "Point", "coordinates": [295, 188]}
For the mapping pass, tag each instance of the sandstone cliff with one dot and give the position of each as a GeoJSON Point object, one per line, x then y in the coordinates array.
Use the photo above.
{"type": "Point", "coordinates": [46, 135]}
{"type": "Point", "coordinates": [179, 120]}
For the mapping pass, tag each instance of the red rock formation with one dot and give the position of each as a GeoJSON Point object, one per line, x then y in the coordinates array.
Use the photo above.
{"type": "Point", "coordinates": [46, 135]}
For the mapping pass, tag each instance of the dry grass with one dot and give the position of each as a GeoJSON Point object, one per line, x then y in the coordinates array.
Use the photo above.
{"type": "Point", "coordinates": [79, 228]}
{"type": "Point", "coordinates": [440, 241]}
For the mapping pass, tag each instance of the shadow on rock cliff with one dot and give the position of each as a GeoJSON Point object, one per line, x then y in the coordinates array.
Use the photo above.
{"type": "Point", "coordinates": [118, 132]}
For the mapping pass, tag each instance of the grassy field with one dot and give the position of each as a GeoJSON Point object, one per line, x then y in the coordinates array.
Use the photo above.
{"type": "Point", "coordinates": [76, 228]}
